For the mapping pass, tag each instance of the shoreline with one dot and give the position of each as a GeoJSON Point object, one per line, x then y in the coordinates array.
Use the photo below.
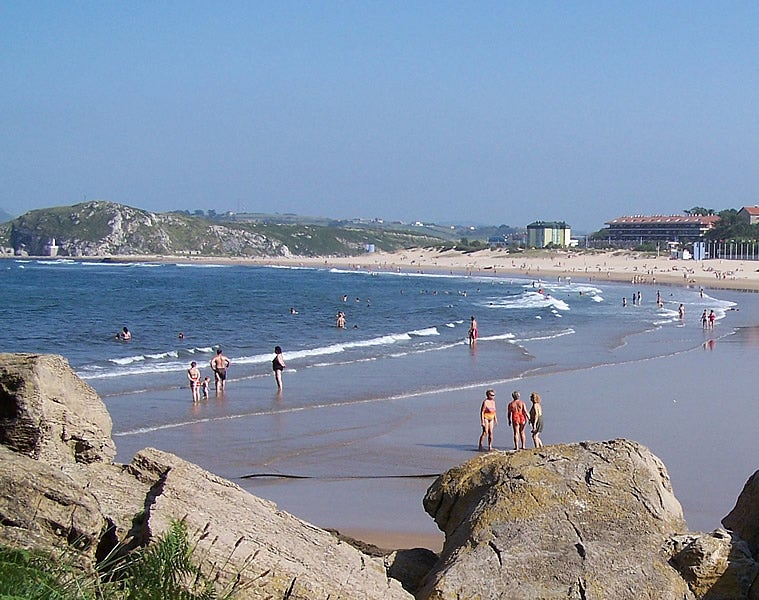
{"type": "Point", "coordinates": [592, 384]}
{"type": "Point", "coordinates": [619, 266]}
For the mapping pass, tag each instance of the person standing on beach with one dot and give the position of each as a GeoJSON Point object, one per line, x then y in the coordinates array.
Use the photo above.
{"type": "Point", "coordinates": [536, 419]}
{"type": "Point", "coordinates": [517, 415]}
{"type": "Point", "coordinates": [681, 312]}
{"type": "Point", "coordinates": [204, 386]}
{"type": "Point", "coordinates": [704, 319]}
{"type": "Point", "coordinates": [712, 318]}
{"type": "Point", "coordinates": [278, 365]}
{"type": "Point", "coordinates": [219, 366]}
{"type": "Point", "coordinates": [473, 331]}
{"type": "Point", "coordinates": [193, 376]}
{"type": "Point", "coordinates": [488, 419]}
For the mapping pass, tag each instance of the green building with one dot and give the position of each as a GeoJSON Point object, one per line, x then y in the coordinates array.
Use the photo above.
{"type": "Point", "coordinates": [548, 233]}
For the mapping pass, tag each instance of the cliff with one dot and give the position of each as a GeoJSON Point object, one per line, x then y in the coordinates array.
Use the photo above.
{"type": "Point", "coordinates": [100, 228]}
{"type": "Point", "coordinates": [584, 521]}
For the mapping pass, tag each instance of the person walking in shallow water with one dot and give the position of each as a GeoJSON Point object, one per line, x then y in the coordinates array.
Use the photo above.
{"type": "Point", "coordinates": [278, 365]}
{"type": "Point", "coordinates": [517, 415]}
{"type": "Point", "coordinates": [488, 419]}
{"type": "Point", "coordinates": [473, 331]}
{"type": "Point", "coordinates": [219, 366]}
{"type": "Point", "coordinates": [536, 419]}
{"type": "Point", "coordinates": [193, 376]}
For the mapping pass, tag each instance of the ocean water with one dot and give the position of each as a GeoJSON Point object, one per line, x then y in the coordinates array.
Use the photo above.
{"type": "Point", "coordinates": [75, 308]}
{"type": "Point", "coordinates": [383, 398]}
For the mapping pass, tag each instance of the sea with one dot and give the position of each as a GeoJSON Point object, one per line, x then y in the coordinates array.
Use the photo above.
{"type": "Point", "coordinates": [370, 412]}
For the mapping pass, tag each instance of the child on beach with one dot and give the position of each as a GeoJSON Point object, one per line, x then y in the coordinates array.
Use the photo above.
{"type": "Point", "coordinates": [204, 387]}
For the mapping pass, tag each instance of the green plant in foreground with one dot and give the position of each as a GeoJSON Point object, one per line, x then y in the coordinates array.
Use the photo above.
{"type": "Point", "coordinates": [164, 570]}
{"type": "Point", "coordinates": [31, 575]}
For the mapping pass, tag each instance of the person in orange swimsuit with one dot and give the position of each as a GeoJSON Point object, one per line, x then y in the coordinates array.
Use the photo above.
{"type": "Point", "coordinates": [488, 419]}
{"type": "Point", "coordinates": [518, 416]}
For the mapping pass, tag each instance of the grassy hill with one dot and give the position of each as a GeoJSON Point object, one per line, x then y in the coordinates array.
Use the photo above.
{"type": "Point", "coordinates": [101, 228]}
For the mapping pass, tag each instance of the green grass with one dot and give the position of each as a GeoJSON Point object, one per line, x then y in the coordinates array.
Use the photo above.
{"type": "Point", "coordinates": [166, 569]}
{"type": "Point", "coordinates": [87, 225]}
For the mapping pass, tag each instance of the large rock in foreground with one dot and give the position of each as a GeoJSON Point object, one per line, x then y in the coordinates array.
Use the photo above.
{"type": "Point", "coordinates": [582, 521]}
{"type": "Point", "coordinates": [284, 556]}
{"type": "Point", "coordinates": [585, 521]}
{"type": "Point", "coordinates": [60, 489]}
{"type": "Point", "coordinates": [48, 413]}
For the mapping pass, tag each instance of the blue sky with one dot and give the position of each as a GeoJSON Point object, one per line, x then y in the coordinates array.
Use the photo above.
{"type": "Point", "coordinates": [467, 112]}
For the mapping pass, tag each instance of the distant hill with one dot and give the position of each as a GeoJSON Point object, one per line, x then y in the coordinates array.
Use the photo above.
{"type": "Point", "coordinates": [4, 216]}
{"type": "Point", "coordinates": [101, 228]}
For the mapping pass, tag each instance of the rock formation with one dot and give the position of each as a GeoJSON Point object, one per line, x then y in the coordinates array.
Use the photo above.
{"type": "Point", "coordinates": [588, 520]}
{"type": "Point", "coordinates": [100, 229]}
{"type": "Point", "coordinates": [60, 488]}
{"type": "Point", "coordinates": [584, 521]}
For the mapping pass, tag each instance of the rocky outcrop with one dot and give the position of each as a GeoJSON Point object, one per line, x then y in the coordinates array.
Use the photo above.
{"type": "Point", "coordinates": [49, 414]}
{"type": "Point", "coordinates": [744, 518]}
{"type": "Point", "coordinates": [581, 521]}
{"type": "Point", "coordinates": [716, 566]}
{"type": "Point", "coordinates": [60, 489]}
{"type": "Point", "coordinates": [100, 228]}
{"type": "Point", "coordinates": [584, 521]}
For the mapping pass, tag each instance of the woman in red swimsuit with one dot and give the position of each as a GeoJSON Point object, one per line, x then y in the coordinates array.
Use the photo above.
{"type": "Point", "coordinates": [518, 416]}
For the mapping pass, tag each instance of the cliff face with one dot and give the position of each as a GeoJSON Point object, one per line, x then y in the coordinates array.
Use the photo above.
{"type": "Point", "coordinates": [578, 521]}
{"type": "Point", "coordinates": [103, 228]}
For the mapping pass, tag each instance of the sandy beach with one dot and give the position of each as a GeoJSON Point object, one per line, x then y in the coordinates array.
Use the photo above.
{"type": "Point", "coordinates": [577, 265]}
{"type": "Point", "coordinates": [691, 408]}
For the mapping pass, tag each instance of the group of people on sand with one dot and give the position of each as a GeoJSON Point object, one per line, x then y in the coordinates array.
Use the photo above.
{"type": "Point", "coordinates": [518, 417]}
{"type": "Point", "coordinates": [199, 385]}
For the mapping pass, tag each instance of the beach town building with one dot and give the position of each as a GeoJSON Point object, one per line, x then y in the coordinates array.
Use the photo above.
{"type": "Point", "coordinates": [541, 234]}
{"type": "Point", "coordinates": [498, 241]}
{"type": "Point", "coordinates": [749, 214]}
{"type": "Point", "coordinates": [659, 228]}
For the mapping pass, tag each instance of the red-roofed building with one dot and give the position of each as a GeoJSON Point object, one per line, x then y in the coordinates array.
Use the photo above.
{"type": "Point", "coordinates": [659, 228]}
{"type": "Point", "coordinates": [749, 214]}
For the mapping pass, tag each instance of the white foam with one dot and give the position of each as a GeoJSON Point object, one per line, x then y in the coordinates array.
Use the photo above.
{"type": "Point", "coordinates": [202, 266]}
{"type": "Point", "coordinates": [425, 332]}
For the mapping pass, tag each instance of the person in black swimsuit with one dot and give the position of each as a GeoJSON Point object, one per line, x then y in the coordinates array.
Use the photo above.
{"type": "Point", "coordinates": [219, 366]}
{"type": "Point", "coordinates": [278, 365]}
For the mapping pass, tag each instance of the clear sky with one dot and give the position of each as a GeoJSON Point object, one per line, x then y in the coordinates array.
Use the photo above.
{"type": "Point", "coordinates": [468, 112]}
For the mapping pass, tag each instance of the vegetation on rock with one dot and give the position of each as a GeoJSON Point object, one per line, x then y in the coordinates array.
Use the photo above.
{"type": "Point", "coordinates": [100, 228]}
{"type": "Point", "coordinates": [165, 569]}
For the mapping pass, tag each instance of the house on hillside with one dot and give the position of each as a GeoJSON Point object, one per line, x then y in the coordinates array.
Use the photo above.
{"type": "Point", "coordinates": [659, 228]}
{"type": "Point", "coordinates": [548, 233]}
{"type": "Point", "coordinates": [497, 241]}
{"type": "Point", "coordinates": [749, 214]}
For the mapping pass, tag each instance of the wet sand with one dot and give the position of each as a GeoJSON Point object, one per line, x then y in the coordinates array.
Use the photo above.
{"type": "Point", "coordinates": [694, 410]}
{"type": "Point", "coordinates": [363, 467]}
